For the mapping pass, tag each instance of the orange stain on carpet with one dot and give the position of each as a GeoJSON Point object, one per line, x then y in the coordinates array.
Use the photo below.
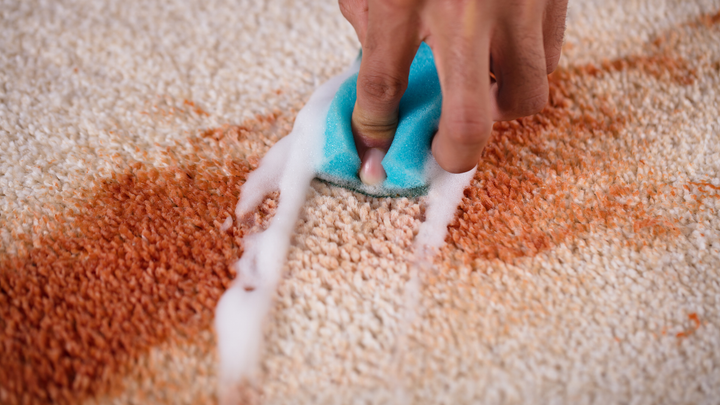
{"type": "Point", "coordinates": [695, 326]}
{"type": "Point", "coordinates": [707, 20]}
{"type": "Point", "coordinates": [661, 65]}
{"type": "Point", "coordinates": [562, 173]}
{"type": "Point", "coordinates": [142, 259]}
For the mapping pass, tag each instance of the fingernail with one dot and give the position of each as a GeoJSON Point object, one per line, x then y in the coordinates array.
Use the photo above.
{"type": "Point", "coordinates": [371, 171]}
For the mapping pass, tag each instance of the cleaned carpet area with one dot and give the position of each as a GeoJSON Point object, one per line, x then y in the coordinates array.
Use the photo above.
{"type": "Point", "coordinates": [583, 265]}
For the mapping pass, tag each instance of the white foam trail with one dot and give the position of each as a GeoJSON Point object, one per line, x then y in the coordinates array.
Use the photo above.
{"type": "Point", "coordinates": [266, 178]}
{"type": "Point", "coordinates": [290, 167]}
{"type": "Point", "coordinates": [445, 194]}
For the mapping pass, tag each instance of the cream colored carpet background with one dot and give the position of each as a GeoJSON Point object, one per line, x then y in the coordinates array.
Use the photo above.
{"type": "Point", "coordinates": [597, 282]}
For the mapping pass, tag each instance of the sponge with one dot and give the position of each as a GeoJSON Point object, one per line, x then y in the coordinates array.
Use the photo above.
{"type": "Point", "coordinates": [406, 160]}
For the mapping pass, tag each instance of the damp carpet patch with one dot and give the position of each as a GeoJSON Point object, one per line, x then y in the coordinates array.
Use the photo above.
{"type": "Point", "coordinates": [581, 265]}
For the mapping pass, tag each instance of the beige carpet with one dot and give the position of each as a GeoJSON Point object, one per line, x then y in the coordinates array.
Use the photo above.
{"type": "Point", "coordinates": [583, 266]}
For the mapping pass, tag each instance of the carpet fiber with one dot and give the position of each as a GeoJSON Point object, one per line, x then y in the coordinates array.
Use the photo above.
{"type": "Point", "coordinates": [583, 265]}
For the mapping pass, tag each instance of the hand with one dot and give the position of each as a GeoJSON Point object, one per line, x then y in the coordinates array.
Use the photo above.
{"type": "Point", "coordinates": [518, 42]}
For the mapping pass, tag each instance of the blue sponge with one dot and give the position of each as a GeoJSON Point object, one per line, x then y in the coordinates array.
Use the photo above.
{"type": "Point", "coordinates": [405, 161]}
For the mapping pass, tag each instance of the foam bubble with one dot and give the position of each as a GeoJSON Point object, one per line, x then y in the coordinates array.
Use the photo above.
{"type": "Point", "coordinates": [227, 224]}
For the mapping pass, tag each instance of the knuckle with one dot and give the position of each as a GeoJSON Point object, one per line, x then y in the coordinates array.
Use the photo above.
{"type": "Point", "coordinates": [469, 130]}
{"type": "Point", "coordinates": [345, 7]}
{"type": "Point", "coordinates": [351, 8]}
{"type": "Point", "coordinates": [382, 88]}
{"type": "Point", "coordinates": [524, 103]}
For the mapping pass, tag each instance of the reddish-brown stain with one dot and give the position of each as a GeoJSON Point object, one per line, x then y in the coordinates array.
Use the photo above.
{"type": "Point", "coordinates": [706, 190]}
{"type": "Point", "coordinates": [166, 108]}
{"type": "Point", "coordinates": [559, 174]}
{"type": "Point", "coordinates": [661, 61]}
{"type": "Point", "coordinates": [696, 325]}
{"type": "Point", "coordinates": [707, 20]}
{"type": "Point", "coordinates": [139, 260]}
{"type": "Point", "coordinates": [663, 65]}
{"type": "Point", "coordinates": [696, 320]}
{"type": "Point", "coordinates": [142, 257]}
{"type": "Point", "coordinates": [703, 184]}
{"type": "Point", "coordinates": [237, 132]}
{"type": "Point", "coordinates": [195, 108]}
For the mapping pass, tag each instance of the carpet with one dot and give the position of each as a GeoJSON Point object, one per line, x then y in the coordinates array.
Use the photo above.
{"type": "Point", "coordinates": [583, 265]}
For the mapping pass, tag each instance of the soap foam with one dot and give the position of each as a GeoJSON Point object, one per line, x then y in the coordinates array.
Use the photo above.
{"type": "Point", "coordinates": [444, 196]}
{"type": "Point", "coordinates": [290, 167]}
{"type": "Point", "coordinates": [227, 224]}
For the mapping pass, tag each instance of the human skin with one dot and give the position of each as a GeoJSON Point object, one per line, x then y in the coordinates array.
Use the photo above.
{"type": "Point", "coordinates": [492, 57]}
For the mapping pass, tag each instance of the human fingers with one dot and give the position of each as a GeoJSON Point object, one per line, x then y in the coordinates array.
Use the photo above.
{"type": "Point", "coordinates": [554, 32]}
{"type": "Point", "coordinates": [518, 60]}
{"type": "Point", "coordinates": [356, 12]}
{"type": "Point", "coordinates": [462, 57]}
{"type": "Point", "coordinates": [391, 41]}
